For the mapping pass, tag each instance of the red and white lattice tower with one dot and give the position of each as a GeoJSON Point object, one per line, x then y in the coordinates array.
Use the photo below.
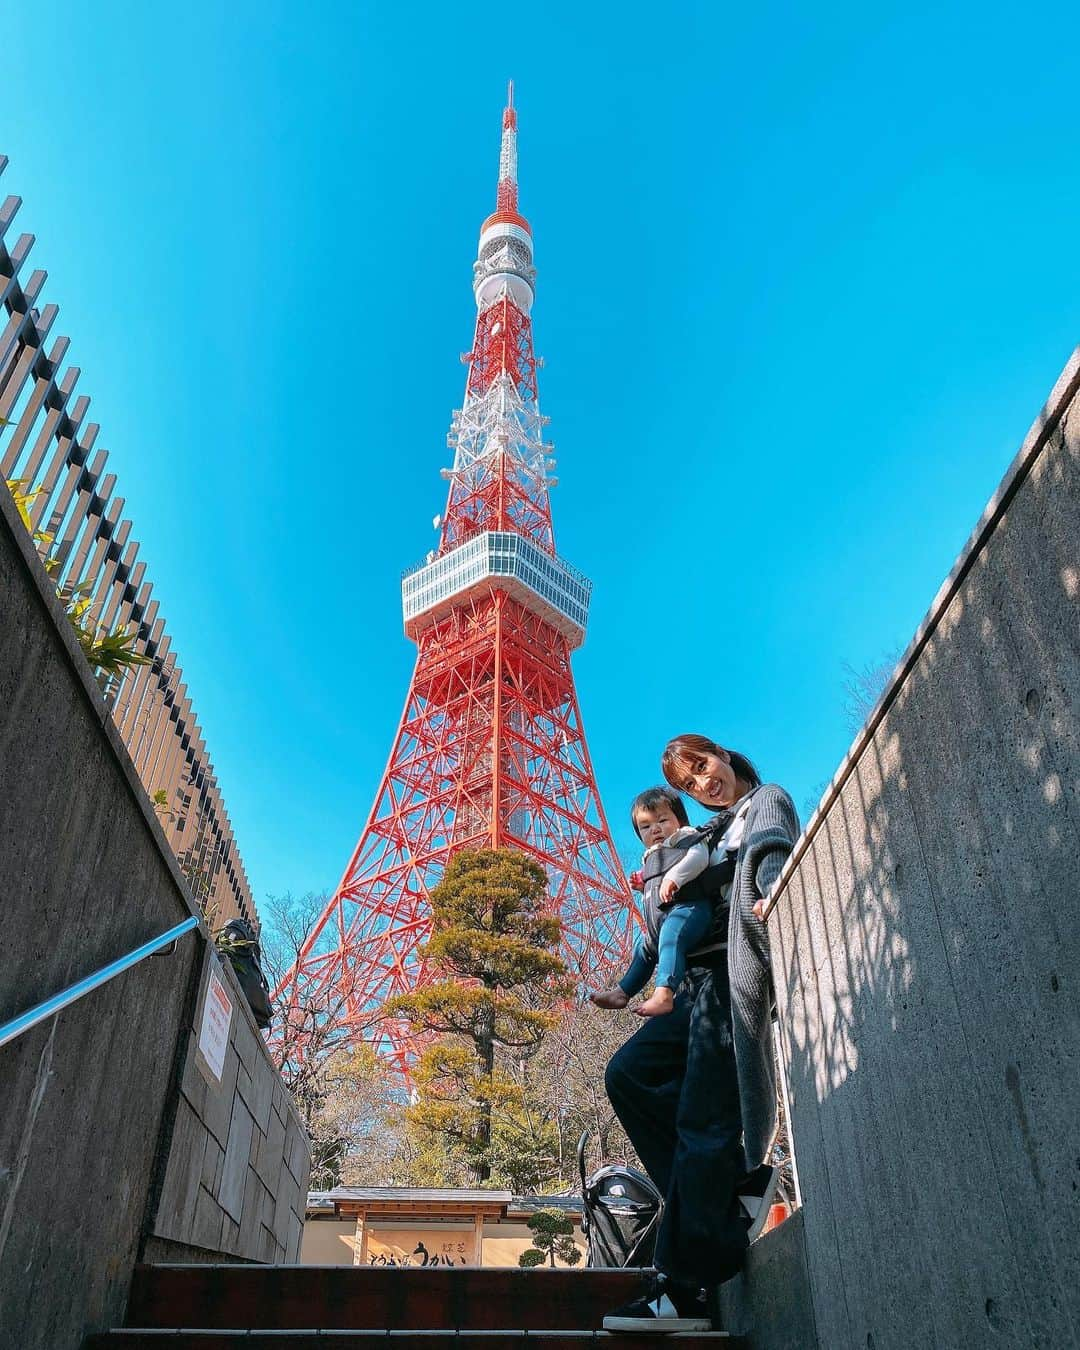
{"type": "Point", "coordinates": [491, 751]}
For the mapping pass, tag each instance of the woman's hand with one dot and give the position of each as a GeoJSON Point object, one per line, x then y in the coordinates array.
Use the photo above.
{"type": "Point", "coordinates": [759, 908]}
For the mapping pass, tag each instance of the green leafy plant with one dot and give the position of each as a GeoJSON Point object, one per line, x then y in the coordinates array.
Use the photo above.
{"type": "Point", "coordinates": [553, 1236]}
{"type": "Point", "coordinates": [24, 500]}
{"type": "Point", "coordinates": [110, 653]}
{"type": "Point", "coordinates": [160, 801]}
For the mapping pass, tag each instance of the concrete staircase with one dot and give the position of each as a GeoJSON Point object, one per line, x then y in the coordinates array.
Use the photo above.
{"type": "Point", "coordinates": [230, 1307]}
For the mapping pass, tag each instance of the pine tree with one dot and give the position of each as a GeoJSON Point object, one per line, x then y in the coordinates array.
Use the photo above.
{"type": "Point", "coordinates": [493, 943]}
{"type": "Point", "coordinates": [553, 1236]}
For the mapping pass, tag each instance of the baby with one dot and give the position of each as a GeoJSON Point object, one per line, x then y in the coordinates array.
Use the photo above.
{"type": "Point", "coordinates": [669, 863]}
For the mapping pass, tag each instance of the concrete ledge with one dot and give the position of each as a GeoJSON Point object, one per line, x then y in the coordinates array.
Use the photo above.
{"type": "Point", "coordinates": [769, 1304]}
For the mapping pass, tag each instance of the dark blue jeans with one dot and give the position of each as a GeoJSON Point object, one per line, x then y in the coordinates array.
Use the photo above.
{"type": "Point", "coordinates": [675, 1090]}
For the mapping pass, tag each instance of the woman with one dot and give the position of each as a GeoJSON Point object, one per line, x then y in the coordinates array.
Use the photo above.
{"type": "Point", "coordinates": [696, 1091]}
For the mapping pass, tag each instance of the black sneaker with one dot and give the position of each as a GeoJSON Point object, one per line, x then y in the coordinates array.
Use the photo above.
{"type": "Point", "coordinates": [662, 1306]}
{"type": "Point", "coordinates": [755, 1195]}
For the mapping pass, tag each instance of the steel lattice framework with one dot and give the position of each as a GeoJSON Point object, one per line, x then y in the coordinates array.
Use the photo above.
{"type": "Point", "coordinates": [490, 751]}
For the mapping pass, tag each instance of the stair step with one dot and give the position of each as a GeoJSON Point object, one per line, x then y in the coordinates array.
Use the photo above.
{"type": "Point", "coordinates": [346, 1297]}
{"type": "Point", "coordinates": [163, 1338]}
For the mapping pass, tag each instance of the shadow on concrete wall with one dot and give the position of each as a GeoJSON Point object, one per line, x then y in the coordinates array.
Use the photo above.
{"type": "Point", "coordinates": [926, 952]}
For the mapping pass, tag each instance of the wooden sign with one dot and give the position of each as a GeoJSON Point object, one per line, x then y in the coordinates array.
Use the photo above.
{"type": "Point", "coordinates": [427, 1247]}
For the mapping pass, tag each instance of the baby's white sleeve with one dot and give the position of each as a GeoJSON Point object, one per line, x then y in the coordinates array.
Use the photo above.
{"type": "Point", "coordinates": [691, 865]}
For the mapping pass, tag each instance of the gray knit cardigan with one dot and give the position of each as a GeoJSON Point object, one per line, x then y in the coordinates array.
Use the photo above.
{"type": "Point", "coordinates": [772, 827]}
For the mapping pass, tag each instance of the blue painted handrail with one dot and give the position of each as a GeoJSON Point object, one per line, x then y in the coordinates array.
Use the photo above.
{"type": "Point", "coordinates": [33, 1016]}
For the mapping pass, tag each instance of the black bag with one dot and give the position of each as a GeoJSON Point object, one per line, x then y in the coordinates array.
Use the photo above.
{"type": "Point", "coordinates": [241, 946]}
{"type": "Point", "coordinates": [620, 1214]}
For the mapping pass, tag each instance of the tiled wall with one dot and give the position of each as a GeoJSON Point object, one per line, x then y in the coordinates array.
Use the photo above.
{"type": "Point", "coordinates": [238, 1160]}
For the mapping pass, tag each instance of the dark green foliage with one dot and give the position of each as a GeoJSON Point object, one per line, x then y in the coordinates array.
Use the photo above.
{"type": "Point", "coordinates": [553, 1236]}
{"type": "Point", "coordinates": [494, 944]}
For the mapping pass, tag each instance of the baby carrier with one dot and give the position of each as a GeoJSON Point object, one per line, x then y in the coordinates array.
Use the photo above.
{"type": "Point", "coordinates": [707, 885]}
{"type": "Point", "coordinates": [722, 835]}
{"type": "Point", "coordinates": [620, 1214]}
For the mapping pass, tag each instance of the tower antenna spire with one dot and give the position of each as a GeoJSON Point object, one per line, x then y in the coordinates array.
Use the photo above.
{"type": "Point", "coordinates": [490, 751]}
{"type": "Point", "coordinates": [507, 196]}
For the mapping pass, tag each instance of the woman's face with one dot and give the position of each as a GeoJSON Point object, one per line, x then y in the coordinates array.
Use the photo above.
{"type": "Point", "coordinates": [711, 780]}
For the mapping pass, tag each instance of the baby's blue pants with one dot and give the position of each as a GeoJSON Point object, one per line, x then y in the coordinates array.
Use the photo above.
{"type": "Point", "coordinates": [683, 928]}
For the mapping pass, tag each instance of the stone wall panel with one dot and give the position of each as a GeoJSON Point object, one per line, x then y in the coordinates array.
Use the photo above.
{"type": "Point", "coordinates": [249, 1163]}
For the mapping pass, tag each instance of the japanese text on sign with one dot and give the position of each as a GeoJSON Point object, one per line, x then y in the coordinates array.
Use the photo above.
{"type": "Point", "coordinates": [214, 1032]}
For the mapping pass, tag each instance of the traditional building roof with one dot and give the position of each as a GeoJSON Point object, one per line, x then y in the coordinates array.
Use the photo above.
{"type": "Point", "coordinates": [434, 1201]}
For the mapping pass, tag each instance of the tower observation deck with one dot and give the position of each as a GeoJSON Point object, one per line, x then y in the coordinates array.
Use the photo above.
{"type": "Point", "coordinates": [490, 751]}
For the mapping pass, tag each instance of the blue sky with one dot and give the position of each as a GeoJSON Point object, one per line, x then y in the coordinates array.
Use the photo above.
{"type": "Point", "coordinates": [806, 276]}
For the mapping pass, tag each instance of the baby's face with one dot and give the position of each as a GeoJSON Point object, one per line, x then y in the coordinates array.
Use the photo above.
{"type": "Point", "coordinates": [655, 824]}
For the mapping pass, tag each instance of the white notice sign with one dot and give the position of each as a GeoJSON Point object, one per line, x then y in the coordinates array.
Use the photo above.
{"type": "Point", "coordinates": [216, 1020]}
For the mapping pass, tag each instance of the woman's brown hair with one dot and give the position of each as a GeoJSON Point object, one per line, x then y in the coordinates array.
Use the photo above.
{"type": "Point", "coordinates": [683, 751]}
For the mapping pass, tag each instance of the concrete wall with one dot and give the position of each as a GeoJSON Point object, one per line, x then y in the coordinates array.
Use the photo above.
{"type": "Point", "coordinates": [926, 943]}
{"type": "Point", "coordinates": [86, 877]}
{"type": "Point", "coordinates": [770, 1304]}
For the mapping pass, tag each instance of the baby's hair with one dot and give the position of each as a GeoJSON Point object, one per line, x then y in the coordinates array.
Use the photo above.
{"type": "Point", "coordinates": [653, 797]}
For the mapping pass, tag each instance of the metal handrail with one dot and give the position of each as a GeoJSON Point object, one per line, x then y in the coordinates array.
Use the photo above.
{"type": "Point", "coordinates": [37, 1014]}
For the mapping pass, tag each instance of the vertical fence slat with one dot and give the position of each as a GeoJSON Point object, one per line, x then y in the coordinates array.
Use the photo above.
{"type": "Point", "coordinates": [97, 577]}
{"type": "Point", "coordinates": [143, 681]}
{"type": "Point", "coordinates": [55, 405]}
{"type": "Point", "coordinates": [76, 506]}
{"type": "Point", "coordinates": [18, 302]}
{"type": "Point", "coordinates": [177, 729]}
{"type": "Point", "coordinates": [159, 720]}
{"type": "Point", "coordinates": [117, 570]}
{"type": "Point", "coordinates": [44, 373]}
{"type": "Point", "coordinates": [91, 532]}
{"type": "Point", "coordinates": [169, 753]}
{"type": "Point", "coordinates": [11, 265]}
{"type": "Point", "coordinates": [58, 425]}
{"type": "Point", "coordinates": [67, 461]}
{"type": "Point", "coordinates": [19, 372]}
{"type": "Point", "coordinates": [144, 675]}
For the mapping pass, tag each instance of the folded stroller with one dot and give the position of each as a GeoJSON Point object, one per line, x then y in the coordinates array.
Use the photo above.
{"type": "Point", "coordinates": [620, 1214]}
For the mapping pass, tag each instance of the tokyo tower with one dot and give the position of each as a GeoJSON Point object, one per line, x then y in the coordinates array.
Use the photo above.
{"type": "Point", "coordinates": [490, 751]}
